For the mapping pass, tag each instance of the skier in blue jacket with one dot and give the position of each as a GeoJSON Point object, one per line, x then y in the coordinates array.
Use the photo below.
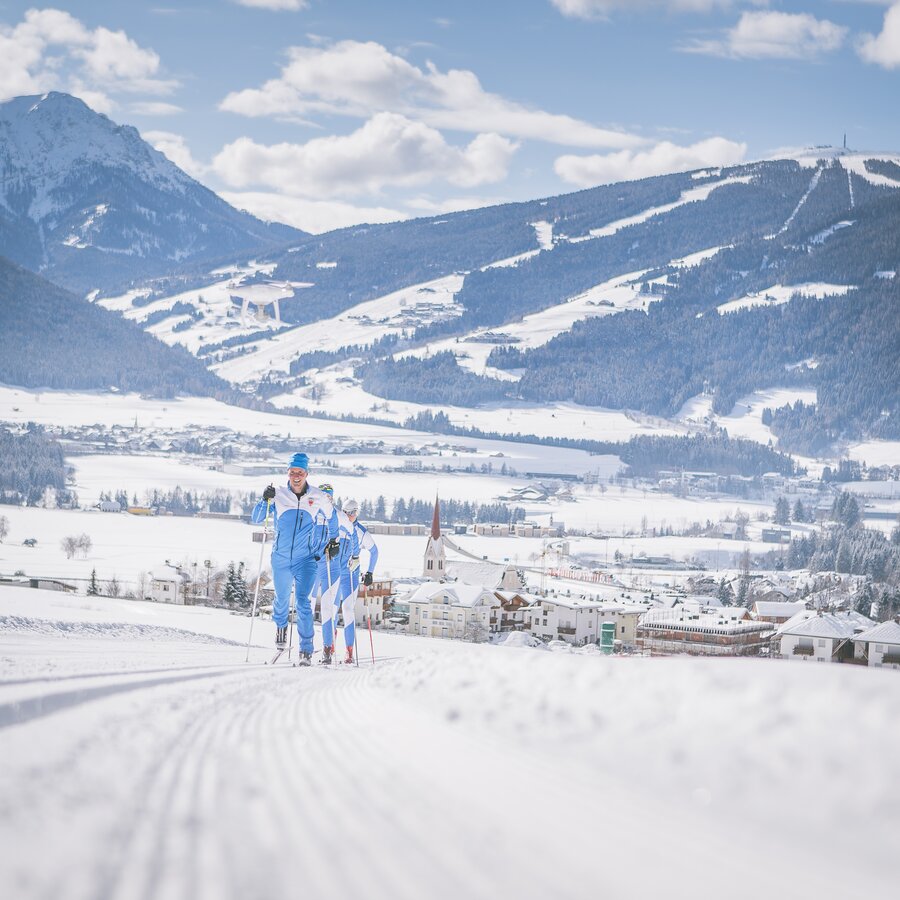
{"type": "Point", "coordinates": [306, 530]}
{"type": "Point", "coordinates": [336, 589]}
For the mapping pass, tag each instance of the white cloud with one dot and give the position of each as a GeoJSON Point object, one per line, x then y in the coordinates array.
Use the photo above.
{"type": "Point", "coordinates": [774, 35]}
{"type": "Point", "coordinates": [175, 147]}
{"type": "Point", "coordinates": [388, 150]}
{"type": "Point", "coordinates": [315, 216]}
{"type": "Point", "coordinates": [431, 207]}
{"type": "Point", "coordinates": [601, 9]}
{"type": "Point", "coordinates": [154, 108]}
{"type": "Point", "coordinates": [51, 49]}
{"type": "Point", "coordinates": [883, 49]}
{"type": "Point", "coordinates": [290, 5]}
{"type": "Point", "coordinates": [357, 79]}
{"type": "Point", "coordinates": [663, 159]}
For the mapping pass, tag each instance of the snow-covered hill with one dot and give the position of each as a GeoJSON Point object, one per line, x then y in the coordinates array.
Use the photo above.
{"type": "Point", "coordinates": [155, 763]}
{"type": "Point", "coordinates": [88, 202]}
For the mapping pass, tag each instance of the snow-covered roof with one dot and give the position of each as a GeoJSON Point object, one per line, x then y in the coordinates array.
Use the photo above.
{"type": "Point", "coordinates": [459, 594]}
{"type": "Point", "coordinates": [825, 625]}
{"type": "Point", "coordinates": [776, 608]}
{"type": "Point", "coordinates": [570, 602]}
{"type": "Point", "coordinates": [690, 620]}
{"type": "Point", "coordinates": [485, 574]}
{"type": "Point", "coordinates": [166, 573]}
{"type": "Point", "coordinates": [885, 633]}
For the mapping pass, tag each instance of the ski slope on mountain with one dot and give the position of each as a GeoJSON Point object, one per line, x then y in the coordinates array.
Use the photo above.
{"type": "Point", "coordinates": [157, 764]}
{"type": "Point", "coordinates": [782, 293]}
{"type": "Point", "coordinates": [362, 324]}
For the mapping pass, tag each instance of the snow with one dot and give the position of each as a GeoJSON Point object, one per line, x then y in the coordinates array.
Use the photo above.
{"type": "Point", "coordinates": [854, 161]}
{"type": "Point", "coordinates": [220, 318]}
{"type": "Point", "coordinates": [155, 764]}
{"type": "Point", "coordinates": [813, 182]}
{"type": "Point", "coordinates": [876, 453]}
{"type": "Point", "coordinates": [689, 196]}
{"type": "Point", "coordinates": [545, 420]}
{"type": "Point", "coordinates": [361, 324]}
{"type": "Point", "coordinates": [826, 233]}
{"type": "Point", "coordinates": [544, 233]}
{"type": "Point", "coordinates": [782, 293]}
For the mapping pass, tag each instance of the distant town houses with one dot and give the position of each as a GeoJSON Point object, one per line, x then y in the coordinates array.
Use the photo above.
{"type": "Point", "coordinates": [686, 629]}
{"type": "Point", "coordinates": [823, 636]}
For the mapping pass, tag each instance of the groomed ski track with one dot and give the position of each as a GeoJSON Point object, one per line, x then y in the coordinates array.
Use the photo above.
{"type": "Point", "coordinates": [446, 770]}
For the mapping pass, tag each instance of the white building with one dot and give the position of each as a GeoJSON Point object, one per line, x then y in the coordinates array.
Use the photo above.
{"type": "Point", "coordinates": [167, 585]}
{"type": "Point", "coordinates": [462, 611]}
{"type": "Point", "coordinates": [574, 620]}
{"type": "Point", "coordinates": [880, 645]}
{"type": "Point", "coordinates": [822, 636]}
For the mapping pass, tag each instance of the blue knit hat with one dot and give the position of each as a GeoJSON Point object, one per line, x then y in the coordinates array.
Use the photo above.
{"type": "Point", "coordinates": [299, 461]}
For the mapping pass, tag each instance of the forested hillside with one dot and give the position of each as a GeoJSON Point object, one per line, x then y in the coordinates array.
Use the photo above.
{"type": "Point", "coordinates": [51, 338]}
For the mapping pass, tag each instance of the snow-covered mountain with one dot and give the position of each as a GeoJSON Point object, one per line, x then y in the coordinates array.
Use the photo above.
{"type": "Point", "coordinates": [87, 202]}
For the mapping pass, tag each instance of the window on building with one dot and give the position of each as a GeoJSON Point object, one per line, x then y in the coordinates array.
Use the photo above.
{"type": "Point", "coordinates": [821, 642]}
{"type": "Point", "coordinates": [430, 563]}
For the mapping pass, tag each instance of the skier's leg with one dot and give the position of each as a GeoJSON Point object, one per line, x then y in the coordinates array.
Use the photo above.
{"type": "Point", "coordinates": [304, 576]}
{"type": "Point", "coordinates": [328, 574]}
{"type": "Point", "coordinates": [281, 581]}
{"type": "Point", "coordinates": [348, 608]}
{"type": "Point", "coordinates": [325, 616]}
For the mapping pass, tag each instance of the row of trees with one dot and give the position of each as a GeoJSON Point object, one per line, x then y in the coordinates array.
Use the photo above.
{"type": "Point", "coordinates": [420, 512]}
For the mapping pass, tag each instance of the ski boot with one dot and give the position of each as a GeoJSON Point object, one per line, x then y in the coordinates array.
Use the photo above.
{"type": "Point", "coordinates": [349, 659]}
{"type": "Point", "coordinates": [305, 659]}
{"type": "Point", "coordinates": [281, 637]}
{"type": "Point", "coordinates": [327, 653]}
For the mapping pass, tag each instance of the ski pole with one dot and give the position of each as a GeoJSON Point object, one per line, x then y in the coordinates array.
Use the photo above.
{"type": "Point", "coordinates": [258, 579]}
{"type": "Point", "coordinates": [292, 608]}
{"type": "Point", "coordinates": [355, 596]}
{"type": "Point", "coordinates": [371, 642]}
{"type": "Point", "coordinates": [329, 603]}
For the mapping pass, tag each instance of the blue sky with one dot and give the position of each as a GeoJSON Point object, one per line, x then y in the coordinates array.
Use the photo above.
{"type": "Point", "coordinates": [324, 113]}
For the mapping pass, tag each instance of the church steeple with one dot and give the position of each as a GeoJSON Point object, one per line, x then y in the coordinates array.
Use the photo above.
{"type": "Point", "coordinates": [435, 559]}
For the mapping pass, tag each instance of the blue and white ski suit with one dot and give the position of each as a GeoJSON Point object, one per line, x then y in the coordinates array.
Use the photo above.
{"type": "Point", "coordinates": [364, 541]}
{"type": "Point", "coordinates": [341, 593]}
{"type": "Point", "coordinates": [304, 524]}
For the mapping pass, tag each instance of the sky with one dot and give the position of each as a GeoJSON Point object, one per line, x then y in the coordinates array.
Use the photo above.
{"type": "Point", "coordinates": [328, 113]}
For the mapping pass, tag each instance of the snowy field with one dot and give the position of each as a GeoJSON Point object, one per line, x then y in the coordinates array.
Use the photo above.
{"type": "Point", "coordinates": [142, 758]}
{"type": "Point", "coordinates": [124, 546]}
{"type": "Point", "coordinates": [544, 420]}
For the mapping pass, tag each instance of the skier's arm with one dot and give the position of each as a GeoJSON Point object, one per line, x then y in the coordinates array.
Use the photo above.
{"type": "Point", "coordinates": [261, 510]}
{"type": "Point", "coordinates": [367, 542]}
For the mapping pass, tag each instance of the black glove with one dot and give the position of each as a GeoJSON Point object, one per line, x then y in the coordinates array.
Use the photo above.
{"type": "Point", "coordinates": [332, 548]}
{"type": "Point", "coordinates": [269, 493]}
{"type": "Point", "coordinates": [367, 579]}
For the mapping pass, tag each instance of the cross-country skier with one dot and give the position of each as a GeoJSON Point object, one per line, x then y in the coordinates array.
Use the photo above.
{"type": "Point", "coordinates": [306, 530]}
{"type": "Point", "coordinates": [365, 542]}
{"type": "Point", "coordinates": [340, 593]}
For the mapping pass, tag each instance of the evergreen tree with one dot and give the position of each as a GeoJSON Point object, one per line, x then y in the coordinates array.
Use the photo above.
{"type": "Point", "coordinates": [782, 511]}
{"type": "Point", "coordinates": [93, 587]}
{"type": "Point", "coordinates": [799, 514]}
{"type": "Point", "coordinates": [228, 595]}
{"type": "Point", "coordinates": [725, 593]}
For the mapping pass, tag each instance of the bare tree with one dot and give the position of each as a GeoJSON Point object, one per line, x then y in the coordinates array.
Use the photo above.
{"type": "Point", "coordinates": [69, 545]}
{"type": "Point", "coordinates": [83, 544]}
{"type": "Point", "coordinates": [4, 528]}
{"type": "Point", "coordinates": [142, 585]}
{"type": "Point", "coordinates": [113, 588]}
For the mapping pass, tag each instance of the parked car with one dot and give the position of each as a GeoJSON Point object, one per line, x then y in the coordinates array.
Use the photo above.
{"type": "Point", "coordinates": [30, 542]}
